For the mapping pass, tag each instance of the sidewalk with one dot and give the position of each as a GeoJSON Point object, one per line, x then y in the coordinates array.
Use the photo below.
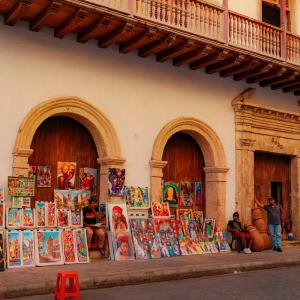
{"type": "Point", "coordinates": [105, 273]}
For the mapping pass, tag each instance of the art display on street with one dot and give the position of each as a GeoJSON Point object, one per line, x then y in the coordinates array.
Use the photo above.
{"type": "Point", "coordinates": [116, 182]}
{"type": "Point", "coordinates": [43, 176]}
{"type": "Point", "coordinates": [171, 194]}
{"type": "Point", "coordinates": [28, 256]}
{"type": "Point", "coordinates": [160, 210]}
{"type": "Point", "coordinates": [82, 253]}
{"type": "Point", "coordinates": [14, 245]}
{"type": "Point", "coordinates": [88, 180]}
{"type": "Point", "coordinates": [69, 246]}
{"type": "Point", "coordinates": [66, 174]}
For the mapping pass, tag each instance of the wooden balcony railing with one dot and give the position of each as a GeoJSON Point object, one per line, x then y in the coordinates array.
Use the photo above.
{"type": "Point", "coordinates": [293, 48]}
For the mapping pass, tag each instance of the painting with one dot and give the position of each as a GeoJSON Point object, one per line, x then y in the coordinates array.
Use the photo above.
{"type": "Point", "coordinates": [66, 173]}
{"type": "Point", "coordinates": [138, 197]}
{"type": "Point", "coordinates": [88, 180]}
{"type": "Point", "coordinates": [26, 202]}
{"type": "Point", "coordinates": [118, 218]}
{"type": "Point", "coordinates": [199, 218]}
{"type": "Point", "coordinates": [160, 210]}
{"type": "Point", "coordinates": [2, 214]}
{"type": "Point", "coordinates": [171, 193]}
{"type": "Point", "coordinates": [32, 172]}
{"type": "Point", "coordinates": [28, 257]}
{"type": "Point", "coordinates": [51, 214]}
{"type": "Point", "coordinates": [83, 199]}
{"type": "Point", "coordinates": [16, 202]}
{"type": "Point", "coordinates": [74, 197]}
{"type": "Point", "coordinates": [82, 253]}
{"type": "Point", "coordinates": [40, 214]}
{"type": "Point", "coordinates": [122, 245]}
{"type": "Point", "coordinates": [68, 246]}
{"type": "Point", "coordinates": [184, 214]}
{"type": "Point", "coordinates": [116, 182]}
{"type": "Point", "coordinates": [1, 194]}
{"type": "Point", "coordinates": [76, 218]}
{"type": "Point", "coordinates": [21, 186]}
{"type": "Point", "coordinates": [222, 243]}
{"type": "Point", "coordinates": [186, 197]}
{"type": "Point", "coordinates": [48, 247]}
{"type": "Point", "coordinates": [2, 255]}
{"type": "Point", "coordinates": [209, 227]}
{"type": "Point", "coordinates": [43, 176]}
{"type": "Point", "coordinates": [63, 218]}
{"type": "Point", "coordinates": [14, 242]}
{"type": "Point", "coordinates": [62, 199]}
{"type": "Point", "coordinates": [27, 218]}
{"type": "Point", "coordinates": [14, 218]}
{"type": "Point", "coordinates": [198, 194]}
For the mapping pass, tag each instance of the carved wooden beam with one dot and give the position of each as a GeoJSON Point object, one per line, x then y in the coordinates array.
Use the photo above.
{"type": "Point", "coordinates": [192, 55]}
{"type": "Point", "coordinates": [286, 81]}
{"type": "Point", "coordinates": [41, 20]}
{"type": "Point", "coordinates": [246, 66]}
{"type": "Point", "coordinates": [210, 60]}
{"type": "Point", "coordinates": [251, 73]}
{"type": "Point", "coordinates": [115, 35]}
{"type": "Point", "coordinates": [72, 24]}
{"type": "Point", "coordinates": [155, 47]}
{"type": "Point", "coordinates": [175, 51]}
{"type": "Point", "coordinates": [138, 41]}
{"type": "Point", "coordinates": [225, 64]}
{"type": "Point", "coordinates": [265, 76]}
{"type": "Point", "coordinates": [285, 77]}
{"type": "Point", "coordinates": [17, 12]}
{"type": "Point", "coordinates": [291, 88]}
{"type": "Point", "coordinates": [89, 33]}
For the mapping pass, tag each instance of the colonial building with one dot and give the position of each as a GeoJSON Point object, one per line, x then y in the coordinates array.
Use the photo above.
{"type": "Point", "coordinates": [173, 90]}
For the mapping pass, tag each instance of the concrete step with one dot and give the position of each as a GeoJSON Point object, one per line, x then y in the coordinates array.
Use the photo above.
{"type": "Point", "coordinates": [286, 243]}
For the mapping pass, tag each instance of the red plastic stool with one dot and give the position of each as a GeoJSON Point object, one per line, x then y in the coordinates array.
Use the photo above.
{"type": "Point", "coordinates": [62, 291]}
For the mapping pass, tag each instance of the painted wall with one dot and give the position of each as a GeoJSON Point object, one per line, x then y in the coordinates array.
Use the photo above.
{"type": "Point", "coordinates": [250, 8]}
{"type": "Point", "coordinates": [138, 95]}
{"type": "Point", "coordinates": [296, 17]}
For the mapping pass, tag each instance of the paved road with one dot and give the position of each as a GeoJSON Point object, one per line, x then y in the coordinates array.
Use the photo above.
{"type": "Point", "coordinates": [263, 285]}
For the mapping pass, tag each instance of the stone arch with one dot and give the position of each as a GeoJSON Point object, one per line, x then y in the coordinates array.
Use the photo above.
{"type": "Point", "coordinates": [214, 157]}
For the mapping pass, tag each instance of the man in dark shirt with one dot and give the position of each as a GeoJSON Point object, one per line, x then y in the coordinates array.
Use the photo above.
{"type": "Point", "coordinates": [275, 219]}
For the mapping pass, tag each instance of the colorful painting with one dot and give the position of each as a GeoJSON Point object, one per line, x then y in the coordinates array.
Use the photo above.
{"type": "Point", "coordinates": [21, 186]}
{"type": "Point", "coordinates": [222, 244]}
{"type": "Point", "coordinates": [83, 199]}
{"type": "Point", "coordinates": [138, 197]}
{"type": "Point", "coordinates": [122, 245]}
{"type": "Point", "coordinates": [14, 218]}
{"type": "Point", "coordinates": [74, 198]}
{"type": "Point", "coordinates": [199, 218]}
{"type": "Point", "coordinates": [88, 180]}
{"type": "Point", "coordinates": [2, 255]}
{"type": "Point", "coordinates": [82, 253]}
{"type": "Point", "coordinates": [69, 246]}
{"type": "Point", "coordinates": [32, 172]}
{"type": "Point", "coordinates": [62, 198]}
{"type": "Point", "coordinates": [51, 214]}
{"type": "Point", "coordinates": [63, 218]}
{"type": "Point", "coordinates": [43, 178]}
{"type": "Point", "coordinates": [198, 194]}
{"type": "Point", "coordinates": [66, 173]}
{"type": "Point", "coordinates": [27, 218]}
{"type": "Point", "coordinates": [160, 210]}
{"type": "Point", "coordinates": [118, 218]}
{"type": "Point", "coordinates": [116, 182]}
{"type": "Point", "coordinates": [209, 227]}
{"type": "Point", "coordinates": [2, 214]}
{"type": "Point", "coordinates": [48, 247]}
{"type": "Point", "coordinates": [14, 242]}
{"type": "Point", "coordinates": [171, 193]}
{"type": "Point", "coordinates": [186, 194]}
{"type": "Point", "coordinates": [1, 194]}
{"type": "Point", "coordinates": [16, 202]}
{"type": "Point", "coordinates": [184, 214]}
{"type": "Point", "coordinates": [76, 218]}
{"type": "Point", "coordinates": [40, 214]}
{"type": "Point", "coordinates": [26, 202]}
{"type": "Point", "coordinates": [28, 257]}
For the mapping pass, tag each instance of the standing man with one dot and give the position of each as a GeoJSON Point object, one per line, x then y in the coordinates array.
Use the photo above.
{"type": "Point", "coordinates": [275, 219]}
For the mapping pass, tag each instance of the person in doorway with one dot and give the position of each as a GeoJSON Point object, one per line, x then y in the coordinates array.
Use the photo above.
{"type": "Point", "coordinates": [275, 220]}
{"type": "Point", "coordinates": [238, 231]}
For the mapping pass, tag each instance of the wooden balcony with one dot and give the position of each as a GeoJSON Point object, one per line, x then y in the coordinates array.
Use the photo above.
{"type": "Point", "coordinates": [190, 32]}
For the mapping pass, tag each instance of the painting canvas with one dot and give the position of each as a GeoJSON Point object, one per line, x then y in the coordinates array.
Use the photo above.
{"type": "Point", "coordinates": [184, 214]}
{"type": "Point", "coordinates": [209, 227]}
{"type": "Point", "coordinates": [48, 247]}
{"type": "Point", "coordinates": [26, 202]}
{"type": "Point", "coordinates": [21, 186]}
{"type": "Point", "coordinates": [88, 180]}
{"type": "Point", "coordinates": [118, 218]}
{"type": "Point", "coordinates": [186, 194]}
{"type": "Point", "coordinates": [82, 253]}
{"type": "Point", "coordinates": [66, 173]}
{"type": "Point", "coordinates": [83, 198]}
{"type": "Point", "coordinates": [76, 218]}
{"type": "Point", "coordinates": [27, 218]}
{"type": "Point", "coordinates": [14, 242]}
{"type": "Point", "coordinates": [1, 194]}
{"type": "Point", "coordinates": [51, 214]}
{"type": "Point", "coordinates": [28, 257]}
{"type": "Point", "coordinates": [199, 217]}
{"type": "Point", "coordinates": [40, 214]}
{"type": "Point", "coordinates": [116, 182]}
{"type": "Point", "coordinates": [32, 172]}
{"type": "Point", "coordinates": [16, 202]}
{"type": "Point", "coordinates": [62, 199]}
{"type": "Point", "coordinates": [43, 177]}
{"type": "Point", "coordinates": [160, 210]}
{"type": "Point", "coordinates": [74, 196]}
{"type": "Point", "coordinates": [63, 218]}
{"type": "Point", "coordinates": [198, 193]}
{"type": "Point", "coordinates": [2, 214]}
{"type": "Point", "coordinates": [2, 255]}
{"type": "Point", "coordinates": [123, 248]}
{"type": "Point", "coordinates": [68, 246]}
{"type": "Point", "coordinates": [222, 243]}
{"type": "Point", "coordinates": [138, 197]}
{"type": "Point", "coordinates": [14, 218]}
{"type": "Point", "coordinates": [171, 193]}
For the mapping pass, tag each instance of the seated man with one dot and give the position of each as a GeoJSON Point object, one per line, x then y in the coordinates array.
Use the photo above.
{"type": "Point", "coordinates": [236, 228]}
{"type": "Point", "coordinates": [91, 218]}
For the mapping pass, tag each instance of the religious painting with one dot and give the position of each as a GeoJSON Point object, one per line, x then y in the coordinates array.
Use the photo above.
{"type": "Point", "coordinates": [26, 202]}
{"type": "Point", "coordinates": [76, 218]}
{"type": "Point", "coordinates": [63, 218]}
{"type": "Point", "coordinates": [68, 246]}
{"type": "Point", "coordinates": [118, 218]}
{"type": "Point", "coordinates": [82, 253]}
{"type": "Point", "coordinates": [2, 214]}
{"type": "Point", "coordinates": [74, 198]}
{"type": "Point", "coordinates": [209, 227]}
{"type": "Point", "coordinates": [51, 214]}
{"type": "Point", "coordinates": [43, 178]}
{"type": "Point", "coordinates": [40, 214]}
{"type": "Point", "coordinates": [138, 197]}
{"type": "Point", "coordinates": [88, 180]}
{"type": "Point", "coordinates": [27, 218]}
{"type": "Point", "coordinates": [2, 255]}
{"type": "Point", "coordinates": [198, 194]}
{"type": "Point", "coordinates": [28, 257]}
{"type": "Point", "coordinates": [16, 202]}
{"type": "Point", "coordinates": [21, 186]}
{"type": "Point", "coordinates": [186, 197]}
{"type": "Point", "coordinates": [48, 247]}
{"type": "Point", "coordinates": [199, 217]}
{"type": "Point", "coordinates": [62, 199]}
{"type": "Point", "coordinates": [171, 193]}
{"type": "Point", "coordinates": [116, 182]}
{"type": "Point", "coordinates": [14, 245]}
{"type": "Point", "coordinates": [66, 172]}
{"type": "Point", "coordinates": [160, 210]}
{"type": "Point", "coordinates": [184, 214]}
{"type": "Point", "coordinates": [122, 245]}
{"type": "Point", "coordinates": [83, 198]}
{"type": "Point", "coordinates": [14, 218]}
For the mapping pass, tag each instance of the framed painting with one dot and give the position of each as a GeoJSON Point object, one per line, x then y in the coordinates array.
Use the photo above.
{"type": "Point", "coordinates": [186, 197]}
{"type": "Point", "coordinates": [2, 214]}
{"type": "Point", "coordinates": [222, 243]}
{"type": "Point", "coordinates": [76, 218]}
{"type": "Point", "coordinates": [40, 214]}
{"type": "Point", "coordinates": [118, 217]}
{"type": "Point", "coordinates": [28, 257]}
{"type": "Point", "coordinates": [26, 202]}
{"type": "Point", "coordinates": [184, 214]}
{"type": "Point", "coordinates": [170, 193]}
{"type": "Point", "coordinates": [88, 180]}
{"type": "Point", "coordinates": [14, 218]}
{"type": "Point", "coordinates": [62, 199]}
{"type": "Point", "coordinates": [160, 210]}
{"type": "Point", "coordinates": [82, 252]}
{"type": "Point", "coordinates": [122, 245]}
{"type": "Point", "coordinates": [27, 218]}
{"type": "Point", "coordinates": [69, 246]}
{"type": "Point", "coordinates": [198, 193]}
{"type": "Point", "coordinates": [43, 177]}
{"type": "Point", "coordinates": [48, 247]}
{"type": "Point", "coordinates": [21, 186]}
{"type": "Point", "coordinates": [1, 194]}
{"type": "Point", "coordinates": [13, 243]}
{"type": "Point", "coordinates": [199, 218]}
{"type": "Point", "coordinates": [116, 182]}
{"type": "Point", "coordinates": [16, 202]}
{"type": "Point", "coordinates": [51, 220]}
{"type": "Point", "coordinates": [2, 254]}
{"type": "Point", "coordinates": [209, 227]}
{"type": "Point", "coordinates": [138, 197]}
{"type": "Point", "coordinates": [63, 218]}
{"type": "Point", "coordinates": [83, 198]}
{"type": "Point", "coordinates": [32, 172]}
{"type": "Point", "coordinates": [66, 174]}
{"type": "Point", "coordinates": [74, 199]}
